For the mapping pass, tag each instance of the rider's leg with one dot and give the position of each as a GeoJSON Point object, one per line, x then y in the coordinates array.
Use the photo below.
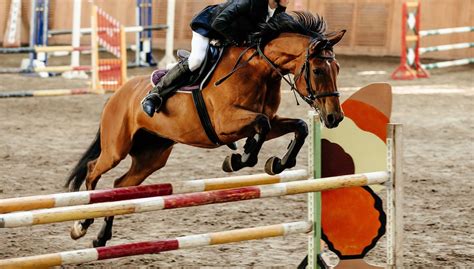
{"type": "Point", "coordinates": [199, 45]}
{"type": "Point", "coordinates": [170, 82]}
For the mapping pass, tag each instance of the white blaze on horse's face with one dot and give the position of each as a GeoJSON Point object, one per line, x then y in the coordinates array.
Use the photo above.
{"type": "Point", "coordinates": [323, 77]}
{"type": "Point", "coordinates": [324, 70]}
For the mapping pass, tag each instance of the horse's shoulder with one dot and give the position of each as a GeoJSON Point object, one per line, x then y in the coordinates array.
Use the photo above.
{"type": "Point", "coordinates": [136, 83]}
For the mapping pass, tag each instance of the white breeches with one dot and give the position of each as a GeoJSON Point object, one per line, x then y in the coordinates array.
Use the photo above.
{"type": "Point", "coordinates": [199, 46]}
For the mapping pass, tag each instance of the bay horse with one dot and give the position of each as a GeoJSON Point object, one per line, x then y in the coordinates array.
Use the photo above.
{"type": "Point", "coordinates": [243, 106]}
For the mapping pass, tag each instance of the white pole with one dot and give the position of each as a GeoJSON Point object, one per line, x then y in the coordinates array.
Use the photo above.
{"type": "Point", "coordinates": [76, 32]}
{"type": "Point", "coordinates": [169, 57]}
{"type": "Point", "coordinates": [33, 25]}
{"type": "Point", "coordinates": [445, 31]}
{"type": "Point", "coordinates": [76, 42]}
{"type": "Point", "coordinates": [137, 36]}
{"type": "Point", "coordinates": [394, 196]}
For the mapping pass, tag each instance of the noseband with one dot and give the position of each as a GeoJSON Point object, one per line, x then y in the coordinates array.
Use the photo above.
{"type": "Point", "coordinates": [305, 73]}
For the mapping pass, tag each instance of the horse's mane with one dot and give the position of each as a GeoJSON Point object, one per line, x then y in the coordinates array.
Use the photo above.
{"type": "Point", "coordinates": [299, 22]}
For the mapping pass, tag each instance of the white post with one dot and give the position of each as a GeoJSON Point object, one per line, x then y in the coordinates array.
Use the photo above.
{"type": "Point", "coordinates": [76, 42]}
{"type": "Point", "coordinates": [394, 197]}
{"type": "Point", "coordinates": [169, 57]}
{"type": "Point", "coordinates": [137, 35]}
{"type": "Point", "coordinates": [76, 32]}
{"type": "Point", "coordinates": [314, 198]}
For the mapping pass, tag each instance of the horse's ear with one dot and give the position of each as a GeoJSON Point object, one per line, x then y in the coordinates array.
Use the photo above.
{"type": "Point", "coordinates": [319, 46]}
{"type": "Point", "coordinates": [335, 37]}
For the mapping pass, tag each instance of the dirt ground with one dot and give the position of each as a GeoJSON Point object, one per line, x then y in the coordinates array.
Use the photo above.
{"type": "Point", "coordinates": [41, 139]}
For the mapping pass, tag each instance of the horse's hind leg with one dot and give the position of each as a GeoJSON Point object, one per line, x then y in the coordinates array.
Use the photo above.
{"type": "Point", "coordinates": [149, 154]}
{"type": "Point", "coordinates": [259, 128]}
{"type": "Point", "coordinates": [108, 159]}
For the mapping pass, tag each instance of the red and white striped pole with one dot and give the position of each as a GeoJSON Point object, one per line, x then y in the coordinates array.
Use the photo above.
{"type": "Point", "coordinates": [44, 216]}
{"type": "Point", "coordinates": [154, 247]}
{"type": "Point", "coordinates": [144, 191]}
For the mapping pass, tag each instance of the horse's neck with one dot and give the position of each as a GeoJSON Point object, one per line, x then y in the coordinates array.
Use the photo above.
{"type": "Point", "coordinates": [284, 50]}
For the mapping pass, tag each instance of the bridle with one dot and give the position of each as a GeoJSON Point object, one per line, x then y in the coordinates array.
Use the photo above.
{"type": "Point", "coordinates": [304, 73]}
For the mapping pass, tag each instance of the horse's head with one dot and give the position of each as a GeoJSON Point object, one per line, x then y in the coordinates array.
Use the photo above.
{"type": "Point", "coordinates": [316, 79]}
{"type": "Point", "coordinates": [313, 64]}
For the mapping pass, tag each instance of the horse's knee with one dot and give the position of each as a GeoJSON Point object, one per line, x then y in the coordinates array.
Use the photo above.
{"type": "Point", "coordinates": [301, 129]}
{"type": "Point", "coordinates": [262, 124]}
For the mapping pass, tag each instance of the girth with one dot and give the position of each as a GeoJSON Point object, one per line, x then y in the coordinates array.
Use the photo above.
{"type": "Point", "coordinates": [201, 108]}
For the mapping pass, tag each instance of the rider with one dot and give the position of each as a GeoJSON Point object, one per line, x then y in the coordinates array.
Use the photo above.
{"type": "Point", "coordinates": [232, 22]}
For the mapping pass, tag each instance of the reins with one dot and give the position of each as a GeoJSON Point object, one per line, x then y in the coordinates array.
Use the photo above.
{"type": "Point", "coordinates": [237, 65]}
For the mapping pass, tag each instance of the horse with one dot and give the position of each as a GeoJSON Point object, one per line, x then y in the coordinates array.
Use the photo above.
{"type": "Point", "coordinates": [244, 105]}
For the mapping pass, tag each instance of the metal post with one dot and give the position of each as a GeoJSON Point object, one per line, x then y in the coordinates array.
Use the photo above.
{"type": "Point", "coordinates": [42, 14]}
{"type": "Point", "coordinates": [33, 24]}
{"type": "Point", "coordinates": [169, 57]}
{"type": "Point", "coordinates": [150, 60]}
{"type": "Point", "coordinates": [314, 199]}
{"type": "Point", "coordinates": [394, 196]}
{"type": "Point", "coordinates": [44, 39]}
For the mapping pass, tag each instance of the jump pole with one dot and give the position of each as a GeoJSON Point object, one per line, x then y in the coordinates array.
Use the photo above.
{"type": "Point", "coordinates": [127, 29]}
{"type": "Point", "coordinates": [448, 63]}
{"type": "Point", "coordinates": [120, 194]}
{"type": "Point", "coordinates": [445, 31]}
{"type": "Point", "coordinates": [43, 93]}
{"type": "Point", "coordinates": [62, 48]}
{"type": "Point", "coordinates": [154, 247]}
{"type": "Point", "coordinates": [45, 216]}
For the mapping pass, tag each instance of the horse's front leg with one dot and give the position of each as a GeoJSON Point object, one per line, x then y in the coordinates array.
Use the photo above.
{"type": "Point", "coordinates": [258, 126]}
{"type": "Point", "coordinates": [282, 126]}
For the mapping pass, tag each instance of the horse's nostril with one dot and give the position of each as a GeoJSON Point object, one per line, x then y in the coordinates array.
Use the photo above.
{"type": "Point", "coordinates": [331, 119]}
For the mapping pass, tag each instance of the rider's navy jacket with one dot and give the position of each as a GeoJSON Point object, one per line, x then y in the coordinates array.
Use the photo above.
{"type": "Point", "coordinates": [233, 20]}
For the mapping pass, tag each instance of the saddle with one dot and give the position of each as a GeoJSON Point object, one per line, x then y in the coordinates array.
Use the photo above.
{"type": "Point", "coordinates": [196, 82]}
{"type": "Point", "coordinates": [200, 78]}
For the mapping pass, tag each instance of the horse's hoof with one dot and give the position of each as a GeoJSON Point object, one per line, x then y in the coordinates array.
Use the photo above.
{"type": "Point", "coordinates": [232, 163]}
{"type": "Point", "coordinates": [77, 231]}
{"type": "Point", "coordinates": [290, 164]}
{"type": "Point", "coordinates": [96, 243]}
{"type": "Point", "coordinates": [273, 166]}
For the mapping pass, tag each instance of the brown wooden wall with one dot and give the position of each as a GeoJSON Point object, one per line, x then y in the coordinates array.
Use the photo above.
{"type": "Point", "coordinates": [374, 26]}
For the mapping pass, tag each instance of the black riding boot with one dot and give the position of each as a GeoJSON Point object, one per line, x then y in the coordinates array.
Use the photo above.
{"type": "Point", "coordinates": [168, 85]}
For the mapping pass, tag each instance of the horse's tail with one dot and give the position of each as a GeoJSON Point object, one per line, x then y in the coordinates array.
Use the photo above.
{"type": "Point", "coordinates": [79, 173]}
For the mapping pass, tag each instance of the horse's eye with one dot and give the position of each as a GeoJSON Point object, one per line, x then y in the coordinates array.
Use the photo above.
{"type": "Point", "coordinates": [318, 72]}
